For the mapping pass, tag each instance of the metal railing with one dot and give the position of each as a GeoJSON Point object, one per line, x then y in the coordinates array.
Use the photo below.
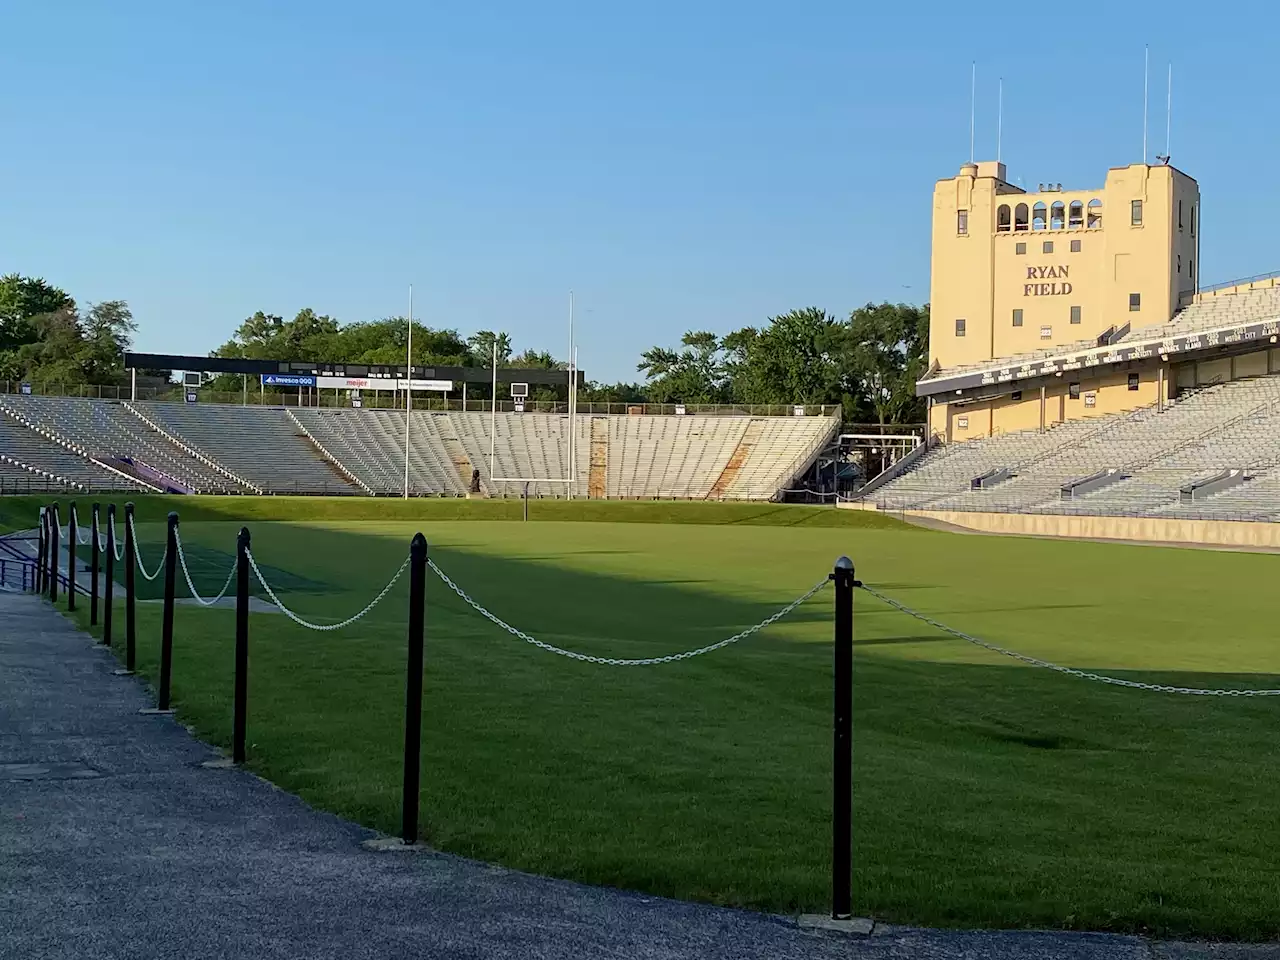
{"type": "Point", "coordinates": [1226, 284]}
{"type": "Point", "coordinates": [370, 399]}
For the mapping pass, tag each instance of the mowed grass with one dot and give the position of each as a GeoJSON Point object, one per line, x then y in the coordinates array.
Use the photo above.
{"type": "Point", "coordinates": [985, 792]}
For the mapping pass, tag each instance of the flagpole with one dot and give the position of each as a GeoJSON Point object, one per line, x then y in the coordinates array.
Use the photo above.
{"type": "Point", "coordinates": [408, 393]}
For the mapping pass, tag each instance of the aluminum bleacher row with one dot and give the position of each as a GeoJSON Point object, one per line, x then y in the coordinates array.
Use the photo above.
{"type": "Point", "coordinates": [211, 448]}
{"type": "Point", "coordinates": [1156, 453]}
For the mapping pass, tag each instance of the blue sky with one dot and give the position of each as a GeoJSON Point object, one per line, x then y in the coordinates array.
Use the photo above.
{"type": "Point", "coordinates": [697, 165]}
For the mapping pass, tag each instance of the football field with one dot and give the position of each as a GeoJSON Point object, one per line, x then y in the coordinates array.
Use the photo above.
{"type": "Point", "coordinates": [986, 792]}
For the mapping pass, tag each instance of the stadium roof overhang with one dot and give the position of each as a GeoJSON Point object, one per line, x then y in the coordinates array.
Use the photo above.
{"type": "Point", "coordinates": [372, 371]}
{"type": "Point", "coordinates": [1230, 339]}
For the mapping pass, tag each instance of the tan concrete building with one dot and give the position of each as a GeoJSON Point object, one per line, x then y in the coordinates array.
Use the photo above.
{"type": "Point", "coordinates": [1055, 305]}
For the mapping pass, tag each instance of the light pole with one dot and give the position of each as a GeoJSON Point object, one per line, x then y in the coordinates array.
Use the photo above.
{"type": "Point", "coordinates": [408, 393]}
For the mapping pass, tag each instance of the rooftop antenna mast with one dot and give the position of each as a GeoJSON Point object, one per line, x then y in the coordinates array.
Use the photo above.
{"type": "Point", "coordinates": [999, 118]}
{"type": "Point", "coordinates": [973, 104]}
{"type": "Point", "coordinates": [1168, 119]}
{"type": "Point", "coordinates": [1146, 83]}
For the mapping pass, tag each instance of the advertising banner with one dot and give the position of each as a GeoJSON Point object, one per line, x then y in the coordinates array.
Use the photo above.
{"type": "Point", "coordinates": [288, 380]}
{"type": "Point", "coordinates": [354, 383]}
{"type": "Point", "coordinates": [441, 385]}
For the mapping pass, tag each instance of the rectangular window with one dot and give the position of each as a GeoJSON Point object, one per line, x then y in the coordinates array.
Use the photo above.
{"type": "Point", "coordinates": [1074, 391]}
{"type": "Point", "coordinates": [1193, 219]}
{"type": "Point", "coordinates": [1179, 264]}
{"type": "Point", "coordinates": [959, 328]}
{"type": "Point", "coordinates": [1179, 216]}
{"type": "Point", "coordinates": [1046, 333]}
{"type": "Point", "coordinates": [1048, 246]}
{"type": "Point", "coordinates": [1017, 317]}
{"type": "Point", "coordinates": [1016, 395]}
{"type": "Point", "coordinates": [1133, 381]}
{"type": "Point", "coordinates": [1075, 246]}
{"type": "Point", "coordinates": [1019, 248]}
{"type": "Point", "coordinates": [1075, 314]}
{"type": "Point", "coordinates": [1135, 213]}
{"type": "Point", "coordinates": [1191, 270]}
{"type": "Point", "coordinates": [1135, 302]}
{"type": "Point", "coordinates": [962, 223]}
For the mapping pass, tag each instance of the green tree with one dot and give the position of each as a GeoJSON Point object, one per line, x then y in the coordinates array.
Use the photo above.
{"type": "Point", "coordinates": [481, 344]}
{"type": "Point", "coordinates": [613, 393]}
{"type": "Point", "coordinates": [107, 330]}
{"type": "Point", "coordinates": [885, 353]}
{"type": "Point", "coordinates": [698, 373]}
{"type": "Point", "coordinates": [793, 359]}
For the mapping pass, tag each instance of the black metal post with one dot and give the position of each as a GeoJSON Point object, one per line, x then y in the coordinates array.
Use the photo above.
{"type": "Point", "coordinates": [166, 628]}
{"type": "Point", "coordinates": [413, 688]}
{"type": "Point", "coordinates": [42, 540]}
{"type": "Point", "coordinates": [96, 547]}
{"type": "Point", "coordinates": [73, 535]}
{"type": "Point", "coordinates": [842, 765]}
{"type": "Point", "coordinates": [108, 598]}
{"type": "Point", "coordinates": [130, 613]}
{"type": "Point", "coordinates": [55, 532]}
{"type": "Point", "coordinates": [240, 718]}
{"type": "Point", "coordinates": [526, 503]}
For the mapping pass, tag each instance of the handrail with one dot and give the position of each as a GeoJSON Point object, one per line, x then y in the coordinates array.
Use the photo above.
{"type": "Point", "coordinates": [325, 450]}
{"type": "Point", "coordinates": [1274, 274]}
{"type": "Point", "coordinates": [188, 449]}
{"type": "Point", "coordinates": [66, 444]}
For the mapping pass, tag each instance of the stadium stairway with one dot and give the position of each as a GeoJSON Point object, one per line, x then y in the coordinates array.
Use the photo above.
{"type": "Point", "coordinates": [750, 437]}
{"type": "Point", "coordinates": [598, 479]}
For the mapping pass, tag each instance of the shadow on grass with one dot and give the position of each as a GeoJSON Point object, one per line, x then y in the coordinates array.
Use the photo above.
{"type": "Point", "coordinates": [977, 787]}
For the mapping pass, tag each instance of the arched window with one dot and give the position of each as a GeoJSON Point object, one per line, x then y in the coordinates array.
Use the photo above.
{"type": "Point", "coordinates": [1095, 213]}
{"type": "Point", "coordinates": [1057, 220]}
{"type": "Point", "coordinates": [1002, 218]}
{"type": "Point", "coordinates": [1039, 216]}
{"type": "Point", "coordinates": [1020, 218]}
{"type": "Point", "coordinates": [1075, 215]}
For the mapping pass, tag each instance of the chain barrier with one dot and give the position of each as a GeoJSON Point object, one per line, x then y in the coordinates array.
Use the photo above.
{"type": "Point", "coordinates": [182, 561]}
{"type": "Point", "coordinates": [1069, 671]}
{"type": "Point", "coordinates": [613, 661]}
{"type": "Point", "coordinates": [137, 554]}
{"type": "Point", "coordinates": [118, 548]}
{"type": "Point", "coordinates": [253, 564]}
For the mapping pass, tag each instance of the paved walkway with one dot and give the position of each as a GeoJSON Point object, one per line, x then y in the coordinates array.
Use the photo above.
{"type": "Point", "coordinates": [116, 843]}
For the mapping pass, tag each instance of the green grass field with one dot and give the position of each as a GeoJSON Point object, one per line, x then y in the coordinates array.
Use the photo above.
{"type": "Point", "coordinates": [986, 792]}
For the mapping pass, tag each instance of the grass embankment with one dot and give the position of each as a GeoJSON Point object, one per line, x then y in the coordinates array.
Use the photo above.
{"type": "Point", "coordinates": [986, 792]}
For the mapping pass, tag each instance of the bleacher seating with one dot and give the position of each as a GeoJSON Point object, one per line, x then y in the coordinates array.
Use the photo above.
{"type": "Point", "coordinates": [107, 431]}
{"type": "Point", "coordinates": [261, 445]}
{"type": "Point", "coordinates": [210, 448]}
{"type": "Point", "coordinates": [1229, 425]}
{"type": "Point", "coordinates": [29, 460]}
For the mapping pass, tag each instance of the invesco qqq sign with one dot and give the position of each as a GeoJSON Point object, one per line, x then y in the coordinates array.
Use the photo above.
{"type": "Point", "coordinates": [1056, 286]}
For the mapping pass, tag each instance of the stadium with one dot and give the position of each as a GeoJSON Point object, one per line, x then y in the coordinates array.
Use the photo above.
{"type": "Point", "coordinates": [1081, 378]}
{"type": "Point", "coordinates": [629, 676]}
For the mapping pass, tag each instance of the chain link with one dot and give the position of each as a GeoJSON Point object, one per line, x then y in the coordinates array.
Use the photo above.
{"type": "Point", "coordinates": [253, 564]}
{"type": "Point", "coordinates": [117, 546]}
{"type": "Point", "coordinates": [1069, 671]}
{"type": "Point", "coordinates": [182, 561]}
{"type": "Point", "coordinates": [137, 555]}
{"type": "Point", "coordinates": [612, 661]}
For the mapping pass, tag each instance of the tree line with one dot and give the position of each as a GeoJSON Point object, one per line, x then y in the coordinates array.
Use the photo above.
{"type": "Point", "coordinates": [867, 361]}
